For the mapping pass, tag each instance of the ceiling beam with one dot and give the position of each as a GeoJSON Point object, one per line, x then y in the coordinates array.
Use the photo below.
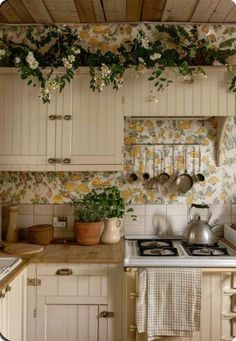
{"type": "Point", "coordinates": [10, 14]}
{"type": "Point", "coordinates": [153, 10]}
{"type": "Point", "coordinates": [38, 11]}
{"type": "Point", "coordinates": [98, 11]}
{"type": "Point", "coordinates": [179, 10]}
{"type": "Point", "coordinates": [204, 10]}
{"type": "Point", "coordinates": [62, 11]}
{"type": "Point", "coordinates": [21, 11]}
{"type": "Point", "coordinates": [85, 10]}
{"type": "Point", "coordinates": [231, 17]}
{"type": "Point", "coordinates": [114, 10]}
{"type": "Point", "coordinates": [221, 11]}
{"type": "Point", "coordinates": [134, 10]}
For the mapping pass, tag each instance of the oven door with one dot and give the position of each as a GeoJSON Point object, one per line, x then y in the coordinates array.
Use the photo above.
{"type": "Point", "coordinates": [218, 316]}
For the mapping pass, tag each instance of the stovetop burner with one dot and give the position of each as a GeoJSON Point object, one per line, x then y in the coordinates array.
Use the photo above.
{"type": "Point", "coordinates": [155, 243]}
{"type": "Point", "coordinates": [204, 250]}
{"type": "Point", "coordinates": [157, 248]}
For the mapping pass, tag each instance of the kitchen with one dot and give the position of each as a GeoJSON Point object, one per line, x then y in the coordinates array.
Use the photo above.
{"type": "Point", "coordinates": [131, 108]}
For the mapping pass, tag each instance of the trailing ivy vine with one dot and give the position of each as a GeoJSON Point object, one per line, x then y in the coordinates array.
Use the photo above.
{"type": "Point", "coordinates": [178, 46]}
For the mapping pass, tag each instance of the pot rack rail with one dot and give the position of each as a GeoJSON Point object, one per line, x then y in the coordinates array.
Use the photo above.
{"type": "Point", "coordinates": [163, 144]}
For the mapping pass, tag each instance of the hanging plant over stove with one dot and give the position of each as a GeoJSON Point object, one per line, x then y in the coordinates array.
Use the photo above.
{"type": "Point", "coordinates": [178, 46]}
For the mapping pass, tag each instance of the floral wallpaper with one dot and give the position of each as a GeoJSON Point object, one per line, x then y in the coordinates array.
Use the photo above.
{"type": "Point", "coordinates": [219, 185]}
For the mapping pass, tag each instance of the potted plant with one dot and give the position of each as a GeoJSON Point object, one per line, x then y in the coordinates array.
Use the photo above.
{"type": "Point", "coordinates": [115, 209]}
{"type": "Point", "coordinates": [89, 216]}
{"type": "Point", "coordinates": [98, 209]}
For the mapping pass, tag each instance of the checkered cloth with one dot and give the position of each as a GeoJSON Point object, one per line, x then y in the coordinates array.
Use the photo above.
{"type": "Point", "coordinates": [169, 301]}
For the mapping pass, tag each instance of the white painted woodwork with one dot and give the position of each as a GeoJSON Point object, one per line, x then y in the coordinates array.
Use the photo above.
{"type": "Point", "coordinates": [24, 124]}
{"type": "Point", "coordinates": [76, 301]}
{"type": "Point", "coordinates": [94, 135]}
{"type": "Point", "coordinates": [13, 309]}
{"type": "Point", "coordinates": [92, 139]}
{"type": "Point", "coordinates": [214, 326]}
{"type": "Point", "coordinates": [203, 97]}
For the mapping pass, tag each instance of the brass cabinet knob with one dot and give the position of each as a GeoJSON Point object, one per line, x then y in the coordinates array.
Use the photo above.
{"type": "Point", "coordinates": [52, 117]}
{"type": "Point", "coordinates": [66, 160]}
{"type": "Point", "coordinates": [67, 117]}
{"type": "Point", "coordinates": [64, 272]}
{"type": "Point", "coordinates": [8, 288]}
{"type": "Point", "coordinates": [51, 160]}
{"type": "Point", "coordinates": [2, 294]}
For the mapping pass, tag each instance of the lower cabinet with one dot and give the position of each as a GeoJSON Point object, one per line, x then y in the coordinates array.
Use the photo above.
{"type": "Point", "coordinates": [13, 309]}
{"type": "Point", "coordinates": [73, 302]}
{"type": "Point", "coordinates": [218, 312]}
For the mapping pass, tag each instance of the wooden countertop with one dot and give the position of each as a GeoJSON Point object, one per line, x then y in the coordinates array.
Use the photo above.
{"type": "Point", "coordinates": [101, 253]}
{"type": "Point", "coordinates": [55, 253]}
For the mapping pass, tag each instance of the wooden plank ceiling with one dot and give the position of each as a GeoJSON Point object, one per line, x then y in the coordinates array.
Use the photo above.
{"type": "Point", "coordinates": [95, 11]}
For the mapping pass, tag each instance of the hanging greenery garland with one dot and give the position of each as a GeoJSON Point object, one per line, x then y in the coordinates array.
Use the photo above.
{"type": "Point", "coordinates": [60, 46]}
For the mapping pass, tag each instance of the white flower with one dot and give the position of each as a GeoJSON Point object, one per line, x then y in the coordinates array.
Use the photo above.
{"type": "Point", "coordinates": [145, 42]}
{"type": "Point", "coordinates": [2, 53]}
{"type": "Point", "coordinates": [141, 60]}
{"type": "Point", "coordinates": [17, 60]}
{"type": "Point", "coordinates": [76, 50]}
{"type": "Point", "coordinates": [155, 56]}
{"type": "Point", "coordinates": [51, 84]}
{"type": "Point", "coordinates": [67, 63]}
{"type": "Point", "coordinates": [33, 63]}
{"type": "Point", "coordinates": [119, 81]}
{"type": "Point", "coordinates": [105, 71]}
{"type": "Point", "coordinates": [71, 58]}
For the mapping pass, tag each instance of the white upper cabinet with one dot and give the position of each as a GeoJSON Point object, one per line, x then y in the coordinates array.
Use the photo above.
{"type": "Point", "coordinates": [23, 125]}
{"type": "Point", "coordinates": [92, 128]}
{"type": "Point", "coordinates": [78, 130]}
{"type": "Point", "coordinates": [204, 97]}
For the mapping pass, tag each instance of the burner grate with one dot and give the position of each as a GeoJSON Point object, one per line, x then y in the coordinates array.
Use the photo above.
{"type": "Point", "coordinates": [205, 250]}
{"type": "Point", "coordinates": [157, 248]}
{"type": "Point", "coordinates": [158, 251]}
{"type": "Point", "coordinates": [154, 243]}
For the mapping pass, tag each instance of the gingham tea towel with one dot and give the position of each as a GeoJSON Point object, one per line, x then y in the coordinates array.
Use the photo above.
{"type": "Point", "coordinates": [169, 301]}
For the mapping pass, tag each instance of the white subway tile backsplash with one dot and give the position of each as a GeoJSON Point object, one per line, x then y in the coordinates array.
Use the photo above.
{"type": "Point", "coordinates": [138, 209]}
{"type": "Point", "coordinates": [25, 209]}
{"type": "Point", "coordinates": [219, 210]}
{"type": "Point", "coordinates": [140, 220]}
{"type": "Point", "coordinates": [155, 225]}
{"type": "Point", "coordinates": [176, 210]}
{"type": "Point", "coordinates": [134, 229]}
{"type": "Point", "coordinates": [42, 219]}
{"type": "Point", "coordinates": [44, 210]}
{"type": "Point", "coordinates": [234, 210]}
{"type": "Point", "coordinates": [176, 224]}
{"type": "Point", "coordinates": [63, 210]}
{"type": "Point", "coordinates": [155, 210]}
{"type": "Point", "coordinates": [25, 220]}
{"type": "Point", "coordinates": [70, 222]}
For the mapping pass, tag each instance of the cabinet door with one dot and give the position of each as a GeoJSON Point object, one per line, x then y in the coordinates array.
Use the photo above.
{"type": "Point", "coordinates": [93, 138]}
{"type": "Point", "coordinates": [26, 139]}
{"type": "Point", "coordinates": [13, 309]}
{"type": "Point", "coordinates": [180, 99]}
{"type": "Point", "coordinates": [70, 322]}
{"type": "Point", "coordinates": [16, 308]}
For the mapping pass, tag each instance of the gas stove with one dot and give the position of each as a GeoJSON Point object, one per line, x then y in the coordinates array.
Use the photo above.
{"type": "Point", "coordinates": [171, 251]}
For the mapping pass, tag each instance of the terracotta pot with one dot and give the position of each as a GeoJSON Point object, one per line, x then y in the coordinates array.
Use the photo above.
{"type": "Point", "coordinates": [88, 233]}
